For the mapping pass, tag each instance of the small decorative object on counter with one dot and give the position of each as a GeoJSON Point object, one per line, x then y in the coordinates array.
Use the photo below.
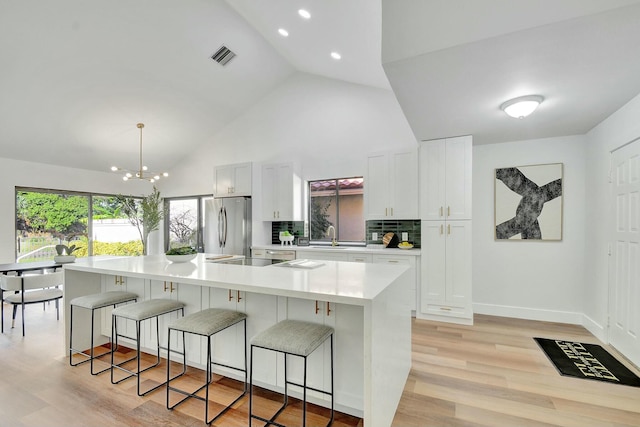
{"type": "Point", "coordinates": [390, 240]}
{"type": "Point", "coordinates": [286, 238]}
{"type": "Point", "coordinates": [181, 254]}
{"type": "Point", "coordinates": [65, 253]}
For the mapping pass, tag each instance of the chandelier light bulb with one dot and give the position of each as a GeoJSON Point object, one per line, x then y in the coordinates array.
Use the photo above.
{"type": "Point", "coordinates": [140, 172]}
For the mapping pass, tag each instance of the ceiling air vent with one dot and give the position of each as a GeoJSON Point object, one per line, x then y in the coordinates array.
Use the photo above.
{"type": "Point", "coordinates": [223, 56]}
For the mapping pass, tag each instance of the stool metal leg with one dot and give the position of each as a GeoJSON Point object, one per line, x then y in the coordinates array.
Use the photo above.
{"type": "Point", "coordinates": [271, 421]}
{"type": "Point", "coordinates": [209, 380]}
{"type": "Point", "coordinates": [92, 356]}
{"type": "Point", "coordinates": [139, 371]}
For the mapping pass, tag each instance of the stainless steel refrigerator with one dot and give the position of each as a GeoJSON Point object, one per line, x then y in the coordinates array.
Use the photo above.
{"type": "Point", "coordinates": [227, 228]}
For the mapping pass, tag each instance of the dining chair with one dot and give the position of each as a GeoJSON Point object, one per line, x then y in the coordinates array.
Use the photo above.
{"type": "Point", "coordinates": [23, 290]}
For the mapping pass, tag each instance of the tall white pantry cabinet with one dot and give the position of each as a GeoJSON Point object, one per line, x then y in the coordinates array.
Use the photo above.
{"type": "Point", "coordinates": [445, 210]}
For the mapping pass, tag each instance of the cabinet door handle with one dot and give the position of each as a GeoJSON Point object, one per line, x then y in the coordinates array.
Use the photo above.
{"type": "Point", "coordinates": [170, 288]}
{"type": "Point", "coordinates": [448, 228]}
{"type": "Point", "coordinates": [391, 211]}
{"type": "Point", "coordinates": [441, 210]}
{"type": "Point", "coordinates": [441, 229]}
{"type": "Point", "coordinates": [448, 211]}
{"type": "Point", "coordinates": [317, 308]}
{"type": "Point", "coordinates": [445, 308]}
{"type": "Point", "coordinates": [238, 296]}
{"type": "Point", "coordinates": [328, 308]}
{"type": "Point", "coordinates": [385, 211]}
{"type": "Point", "coordinates": [392, 261]}
{"type": "Point", "coordinates": [230, 295]}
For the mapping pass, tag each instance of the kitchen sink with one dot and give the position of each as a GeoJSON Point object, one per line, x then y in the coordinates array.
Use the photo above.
{"type": "Point", "coordinates": [329, 247]}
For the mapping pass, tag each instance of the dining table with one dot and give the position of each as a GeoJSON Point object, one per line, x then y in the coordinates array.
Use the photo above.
{"type": "Point", "coordinates": [22, 267]}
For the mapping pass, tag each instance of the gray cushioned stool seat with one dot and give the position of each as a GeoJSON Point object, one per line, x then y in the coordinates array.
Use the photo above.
{"type": "Point", "coordinates": [147, 309]}
{"type": "Point", "coordinates": [207, 322]}
{"type": "Point", "coordinates": [95, 301]}
{"type": "Point", "coordinates": [293, 337]}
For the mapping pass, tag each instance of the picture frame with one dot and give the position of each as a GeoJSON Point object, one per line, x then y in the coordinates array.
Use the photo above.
{"type": "Point", "coordinates": [528, 202]}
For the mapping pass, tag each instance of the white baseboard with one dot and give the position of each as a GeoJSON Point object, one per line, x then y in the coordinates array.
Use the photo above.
{"type": "Point", "coordinates": [598, 330]}
{"type": "Point", "coordinates": [530, 313]}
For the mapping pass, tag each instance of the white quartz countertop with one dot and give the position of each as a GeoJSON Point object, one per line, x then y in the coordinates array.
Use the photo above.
{"type": "Point", "coordinates": [339, 282]}
{"type": "Point", "coordinates": [343, 249]}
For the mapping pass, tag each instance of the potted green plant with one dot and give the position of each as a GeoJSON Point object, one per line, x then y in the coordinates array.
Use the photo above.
{"type": "Point", "coordinates": [145, 214]}
{"type": "Point", "coordinates": [65, 253]}
{"type": "Point", "coordinates": [181, 254]}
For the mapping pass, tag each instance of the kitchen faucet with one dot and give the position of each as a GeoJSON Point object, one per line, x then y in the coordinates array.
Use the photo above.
{"type": "Point", "coordinates": [333, 241]}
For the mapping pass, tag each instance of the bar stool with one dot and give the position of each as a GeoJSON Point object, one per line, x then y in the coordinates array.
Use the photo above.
{"type": "Point", "coordinates": [292, 337]}
{"type": "Point", "coordinates": [138, 312]}
{"type": "Point", "coordinates": [207, 323]}
{"type": "Point", "coordinates": [95, 302]}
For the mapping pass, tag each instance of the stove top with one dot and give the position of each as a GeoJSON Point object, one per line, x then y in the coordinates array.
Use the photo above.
{"type": "Point", "coordinates": [254, 262]}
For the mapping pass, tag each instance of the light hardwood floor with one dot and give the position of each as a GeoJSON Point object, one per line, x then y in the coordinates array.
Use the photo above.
{"type": "Point", "coordinates": [489, 374]}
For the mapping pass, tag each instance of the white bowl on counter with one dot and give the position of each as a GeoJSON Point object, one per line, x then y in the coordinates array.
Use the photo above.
{"type": "Point", "coordinates": [181, 258]}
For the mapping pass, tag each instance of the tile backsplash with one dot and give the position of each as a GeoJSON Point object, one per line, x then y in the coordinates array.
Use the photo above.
{"type": "Point", "coordinates": [410, 226]}
{"type": "Point", "coordinates": [294, 227]}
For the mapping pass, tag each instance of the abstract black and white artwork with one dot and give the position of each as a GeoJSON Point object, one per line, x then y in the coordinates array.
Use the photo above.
{"type": "Point", "coordinates": [528, 202]}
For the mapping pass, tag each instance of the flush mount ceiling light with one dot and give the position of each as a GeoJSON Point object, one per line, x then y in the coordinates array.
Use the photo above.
{"type": "Point", "coordinates": [336, 55]}
{"type": "Point", "coordinates": [304, 13]}
{"type": "Point", "coordinates": [142, 172]}
{"type": "Point", "coordinates": [283, 32]}
{"type": "Point", "coordinates": [522, 106]}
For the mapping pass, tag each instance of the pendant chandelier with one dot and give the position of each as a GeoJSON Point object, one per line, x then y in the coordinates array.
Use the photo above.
{"type": "Point", "coordinates": [143, 172]}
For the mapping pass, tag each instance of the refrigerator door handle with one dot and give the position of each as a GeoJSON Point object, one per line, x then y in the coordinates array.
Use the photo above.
{"type": "Point", "coordinates": [220, 227]}
{"type": "Point", "coordinates": [224, 210]}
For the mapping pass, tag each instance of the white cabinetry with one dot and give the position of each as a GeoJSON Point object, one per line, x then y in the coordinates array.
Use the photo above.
{"type": "Point", "coordinates": [191, 296]}
{"type": "Point", "coordinates": [232, 180]}
{"type": "Point", "coordinates": [326, 255]}
{"type": "Point", "coordinates": [445, 207]}
{"type": "Point", "coordinates": [120, 283]}
{"type": "Point", "coordinates": [445, 179]}
{"type": "Point", "coordinates": [348, 381]}
{"type": "Point", "coordinates": [391, 190]}
{"type": "Point", "coordinates": [228, 345]}
{"type": "Point", "coordinates": [405, 260]}
{"type": "Point", "coordinates": [446, 269]}
{"type": "Point", "coordinates": [281, 193]}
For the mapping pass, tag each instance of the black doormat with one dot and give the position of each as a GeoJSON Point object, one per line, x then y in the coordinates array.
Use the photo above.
{"type": "Point", "coordinates": [589, 361]}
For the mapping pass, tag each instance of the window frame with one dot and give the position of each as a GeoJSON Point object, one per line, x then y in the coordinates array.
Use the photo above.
{"type": "Point", "coordinates": [337, 225]}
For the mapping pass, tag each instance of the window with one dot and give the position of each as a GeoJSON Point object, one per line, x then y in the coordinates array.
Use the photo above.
{"type": "Point", "coordinates": [338, 203]}
{"type": "Point", "coordinates": [184, 225]}
{"type": "Point", "coordinates": [46, 218]}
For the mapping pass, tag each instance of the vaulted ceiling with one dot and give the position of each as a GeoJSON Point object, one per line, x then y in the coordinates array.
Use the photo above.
{"type": "Point", "coordinates": [78, 75]}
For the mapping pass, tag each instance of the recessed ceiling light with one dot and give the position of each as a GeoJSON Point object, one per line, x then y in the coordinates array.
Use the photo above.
{"type": "Point", "coordinates": [283, 32]}
{"type": "Point", "coordinates": [336, 55]}
{"type": "Point", "coordinates": [304, 13]}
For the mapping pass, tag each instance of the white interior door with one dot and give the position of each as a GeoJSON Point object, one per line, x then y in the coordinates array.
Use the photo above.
{"type": "Point", "coordinates": [624, 280]}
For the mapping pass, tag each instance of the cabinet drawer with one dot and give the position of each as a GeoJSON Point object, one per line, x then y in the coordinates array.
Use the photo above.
{"type": "Point", "coordinates": [360, 258]}
{"type": "Point", "coordinates": [445, 310]}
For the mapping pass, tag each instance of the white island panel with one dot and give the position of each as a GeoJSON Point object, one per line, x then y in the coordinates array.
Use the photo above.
{"type": "Point", "coordinates": [371, 315]}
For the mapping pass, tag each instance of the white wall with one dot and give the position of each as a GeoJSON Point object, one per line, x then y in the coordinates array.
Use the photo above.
{"type": "Point", "coordinates": [619, 129]}
{"type": "Point", "coordinates": [529, 279]}
{"type": "Point", "coordinates": [14, 173]}
{"type": "Point", "coordinates": [326, 126]}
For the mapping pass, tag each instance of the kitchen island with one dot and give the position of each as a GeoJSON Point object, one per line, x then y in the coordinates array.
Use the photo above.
{"type": "Point", "coordinates": [366, 304]}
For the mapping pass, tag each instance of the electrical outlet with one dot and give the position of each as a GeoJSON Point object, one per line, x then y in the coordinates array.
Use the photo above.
{"type": "Point", "coordinates": [374, 236]}
{"type": "Point", "coordinates": [405, 237]}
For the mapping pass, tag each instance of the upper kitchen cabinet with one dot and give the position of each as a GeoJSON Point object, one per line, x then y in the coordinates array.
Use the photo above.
{"type": "Point", "coordinates": [445, 179]}
{"type": "Point", "coordinates": [391, 185]}
{"type": "Point", "coordinates": [232, 180]}
{"type": "Point", "coordinates": [281, 193]}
